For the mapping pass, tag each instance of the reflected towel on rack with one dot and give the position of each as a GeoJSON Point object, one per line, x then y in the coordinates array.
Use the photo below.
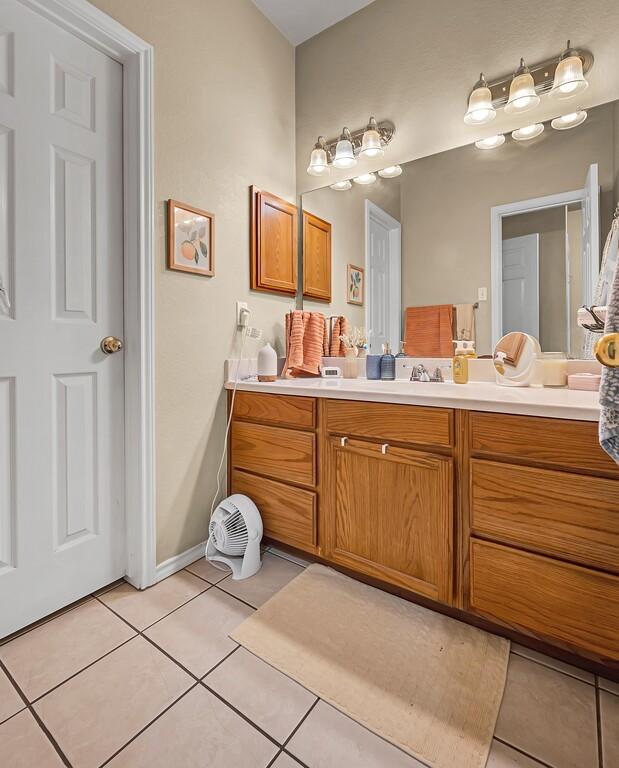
{"type": "Point", "coordinates": [305, 332]}
{"type": "Point", "coordinates": [609, 387]}
{"type": "Point", "coordinates": [339, 327]}
{"type": "Point", "coordinates": [465, 322]}
{"type": "Point", "coordinates": [429, 331]}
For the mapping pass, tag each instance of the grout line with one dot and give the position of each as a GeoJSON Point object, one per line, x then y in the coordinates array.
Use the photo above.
{"type": "Point", "coordinates": [249, 605]}
{"type": "Point", "coordinates": [295, 758]}
{"type": "Point", "coordinates": [36, 716]}
{"type": "Point", "coordinates": [288, 558]}
{"type": "Point", "coordinates": [46, 619]}
{"type": "Point", "coordinates": [240, 714]}
{"type": "Point", "coordinates": [148, 725]}
{"type": "Point", "coordinates": [522, 752]}
{"type": "Point", "coordinates": [83, 669]}
{"type": "Point", "coordinates": [220, 662]}
{"type": "Point", "coordinates": [178, 607]}
{"type": "Point", "coordinates": [598, 721]}
{"type": "Point", "coordinates": [300, 723]}
{"type": "Point", "coordinates": [543, 663]}
{"type": "Point", "coordinates": [197, 575]}
{"type": "Point", "coordinates": [273, 761]}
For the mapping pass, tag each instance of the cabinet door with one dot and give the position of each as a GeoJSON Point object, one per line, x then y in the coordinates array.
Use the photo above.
{"type": "Point", "coordinates": [389, 514]}
{"type": "Point", "coordinates": [273, 243]}
{"type": "Point", "coordinates": [316, 257]}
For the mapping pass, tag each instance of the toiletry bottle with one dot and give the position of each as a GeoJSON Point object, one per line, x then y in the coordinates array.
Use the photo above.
{"type": "Point", "coordinates": [387, 364]}
{"type": "Point", "coordinates": [460, 363]}
{"type": "Point", "coordinates": [401, 353]}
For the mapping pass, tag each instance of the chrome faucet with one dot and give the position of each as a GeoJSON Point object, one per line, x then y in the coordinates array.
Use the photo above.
{"type": "Point", "coordinates": [420, 373]}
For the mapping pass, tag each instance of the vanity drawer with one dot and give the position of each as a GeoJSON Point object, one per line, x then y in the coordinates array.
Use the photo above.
{"type": "Point", "coordinates": [288, 514]}
{"type": "Point", "coordinates": [567, 444]}
{"type": "Point", "coordinates": [283, 454]}
{"type": "Point", "coordinates": [385, 421]}
{"type": "Point", "coordinates": [547, 598]}
{"type": "Point", "coordinates": [575, 517]}
{"type": "Point", "coordinates": [282, 410]}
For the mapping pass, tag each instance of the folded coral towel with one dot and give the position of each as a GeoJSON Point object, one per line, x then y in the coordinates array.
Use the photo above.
{"type": "Point", "coordinates": [429, 331]}
{"type": "Point", "coordinates": [609, 387]}
{"type": "Point", "coordinates": [304, 343]}
{"type": "Point", "coordinates": [339, 327]}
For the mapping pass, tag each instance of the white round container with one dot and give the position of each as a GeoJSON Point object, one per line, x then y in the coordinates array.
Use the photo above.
{"type": "Point", "coordinates": [555, 369]}
{"type": "Point", "coordinates": [267, 363]}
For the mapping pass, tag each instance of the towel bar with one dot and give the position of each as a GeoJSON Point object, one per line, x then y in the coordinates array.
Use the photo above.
{"type": "Point", "coordinates": [607, 350]}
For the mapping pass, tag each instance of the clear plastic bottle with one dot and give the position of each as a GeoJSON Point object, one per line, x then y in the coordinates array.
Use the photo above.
{"type": "Point", "coordinates": [387, 364]}
{"type": "Point", "coordinates": [401, 353]}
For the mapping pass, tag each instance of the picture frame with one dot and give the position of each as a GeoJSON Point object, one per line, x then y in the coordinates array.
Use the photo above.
{"type": "Point", "coordinates": [355, 284]}
{"type": "Point", "coordinates": [191, 238]}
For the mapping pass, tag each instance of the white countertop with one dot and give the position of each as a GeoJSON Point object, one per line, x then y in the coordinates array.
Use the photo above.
{"type": "Point", "coordinates": [560, 403]}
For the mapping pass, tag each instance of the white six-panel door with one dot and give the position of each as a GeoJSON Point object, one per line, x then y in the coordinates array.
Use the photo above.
{"type": "Point", "coordinates": [61, 265]}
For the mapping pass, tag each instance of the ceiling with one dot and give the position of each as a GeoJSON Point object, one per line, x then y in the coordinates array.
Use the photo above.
{"type": "Point", "coordinates": [298, 20]}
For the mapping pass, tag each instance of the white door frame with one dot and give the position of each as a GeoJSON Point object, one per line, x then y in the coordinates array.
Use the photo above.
{"type": "Point", "coordinates": [497, 213]}
{"type": "Point", "coordinates": [136, 57]}
{"type": "Point", "coordinates": [395, 275]}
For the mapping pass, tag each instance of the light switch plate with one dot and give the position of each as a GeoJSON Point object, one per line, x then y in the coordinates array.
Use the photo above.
{"type": "Point", "coordinates": [482, 294]}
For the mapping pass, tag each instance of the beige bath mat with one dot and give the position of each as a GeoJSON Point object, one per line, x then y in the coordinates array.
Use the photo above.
{"type": "Point", "coordinates": [427, 683]}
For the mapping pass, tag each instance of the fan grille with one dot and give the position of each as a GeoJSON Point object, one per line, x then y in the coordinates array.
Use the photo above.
{"type": "Point", "coordinates": [228, 529]}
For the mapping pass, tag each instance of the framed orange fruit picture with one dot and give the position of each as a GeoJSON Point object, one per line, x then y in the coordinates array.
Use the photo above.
{"type": "Point", "coordinates": [191, 235]}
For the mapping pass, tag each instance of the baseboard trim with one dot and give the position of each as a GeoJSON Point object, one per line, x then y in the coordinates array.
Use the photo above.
{"type": "Point", "coordinates": [178, 562]}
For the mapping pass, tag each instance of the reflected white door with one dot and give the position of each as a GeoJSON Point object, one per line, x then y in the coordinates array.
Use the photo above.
{"type": "Point", "coordinates": [383, 274]}
{"type": "Point", "coordinates": [521, 284]}
{"type": "Point", "coordinates": [61, 262]}
{"type": "Point", "coordinates": [590, 235]}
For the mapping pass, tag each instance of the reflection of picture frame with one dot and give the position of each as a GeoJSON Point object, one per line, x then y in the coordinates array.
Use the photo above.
{"type": "Point", "coordinates": [355, 284]}
{"type": "Point", "coordinates": [190, 239]}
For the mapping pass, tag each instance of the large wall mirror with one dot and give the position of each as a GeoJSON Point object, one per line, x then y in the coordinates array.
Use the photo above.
{"type": "Point", "coordinates": [508, 238]}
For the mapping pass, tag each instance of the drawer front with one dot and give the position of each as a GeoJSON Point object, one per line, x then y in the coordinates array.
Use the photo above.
{"type": "Point", "coordinates": [565, 444]}
{"type": "Point", "coordinates": [557, 513]}
{"type": "Point", "coordinates": [282, 454]}
{"type": "Point", "coordinates": [384, 421]}
{"type": "Point", "coordinates": [288, 514]}
{"type": "Point", "coordinates": [547, 598]}
{"type": "Point", "coordinates": [282, 410]}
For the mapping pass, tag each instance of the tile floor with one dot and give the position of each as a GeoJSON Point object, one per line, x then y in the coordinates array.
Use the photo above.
{"type": "Point", "coordinates": [132, 679]}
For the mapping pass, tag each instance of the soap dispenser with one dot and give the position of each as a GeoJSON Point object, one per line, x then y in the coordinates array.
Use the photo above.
{"type": "Point", "coordinates": [387, 364]}
{"type": "Point", "coordinates": [464, 351]}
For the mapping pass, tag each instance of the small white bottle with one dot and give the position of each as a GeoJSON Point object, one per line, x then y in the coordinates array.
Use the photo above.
{"type": "Point", "coordinates": [267, 363]}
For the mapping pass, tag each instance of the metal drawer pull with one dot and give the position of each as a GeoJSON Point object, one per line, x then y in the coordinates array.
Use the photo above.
{"type": "Point", "coordinates": [383, 448]}
{"type": "Point", "coordinates": [343, 441]}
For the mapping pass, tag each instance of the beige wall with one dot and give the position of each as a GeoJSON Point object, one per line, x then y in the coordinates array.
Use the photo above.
{"type": "Point", "coordinates": [224, 119]}
{"type": "Point", "coordinates": [346, 212]}
{"type": "Point", "coordinates": [446, 201]}
{"type": "Point", "coordinates": [416, 61]}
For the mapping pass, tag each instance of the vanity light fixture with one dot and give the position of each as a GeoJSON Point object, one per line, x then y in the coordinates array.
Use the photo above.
{"type": "Point", "coordinates": [390, 172]}
{"type": "Point", "coordinates": [480, 109]}
{"type": "Point", "coordinates": [569, 76]}
{"type": "Point", "coordinates": [344, 152]}
{"type": "Point", "coordinates": [341, 186]}
{"type": "Point", "coordinates": [528, 132]}
{"type": "Point", "coordinates": [370, 143]}
{"type": "Point", "coordinates": [492, 142]}
{"type": "Point", "coordinates": [522, 93]}
{"type": "Point", "coordinates": [319, 165]}
{"type": "Point", "coordinates": [365, 178]}
{"type": "Point", "coordinates": [565, 122]}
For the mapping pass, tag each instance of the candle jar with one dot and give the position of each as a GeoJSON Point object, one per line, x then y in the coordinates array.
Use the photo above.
{"type": "Point", "coordinates": [554, 365]}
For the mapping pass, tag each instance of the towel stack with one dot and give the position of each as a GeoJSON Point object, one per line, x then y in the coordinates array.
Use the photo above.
{"type": "Point", "coordinates": [305, 340]}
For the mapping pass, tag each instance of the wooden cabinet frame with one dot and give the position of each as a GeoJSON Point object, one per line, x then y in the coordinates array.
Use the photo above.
{"type": "Point", "coordinates": [312, 290]}
{"type": "Point", "coordinates": [273, 264]}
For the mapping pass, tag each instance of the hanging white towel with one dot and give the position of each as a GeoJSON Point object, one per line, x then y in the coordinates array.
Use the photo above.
{"type": "Point", "coordinates": [465, 322]}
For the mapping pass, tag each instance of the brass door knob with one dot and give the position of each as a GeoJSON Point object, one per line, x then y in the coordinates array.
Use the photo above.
{"type": "Point", "coordinates": [110, 345]}
{"type": "Point", "coordinates": [607, 350]}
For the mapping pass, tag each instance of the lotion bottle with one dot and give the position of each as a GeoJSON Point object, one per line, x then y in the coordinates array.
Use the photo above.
{"type": "Point", "coordinates": [460, 363]}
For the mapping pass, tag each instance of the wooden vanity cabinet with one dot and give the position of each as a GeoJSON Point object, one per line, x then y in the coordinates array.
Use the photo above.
{"type": "Point", "coordinates": [510, 519]}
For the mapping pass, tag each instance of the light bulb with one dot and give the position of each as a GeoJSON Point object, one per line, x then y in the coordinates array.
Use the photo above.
{"type": "Point", "coordinates": [491, 142]}
{"type": "Point", "coordinates": [528, 132]}
{"type": "Point", "coordinates": [344, 153]}
{"type": "Point", "coordinates": [480, 109]}
{"type": "Point", "coordinates": [318, 165]}
{"type": "Point", "coordinates": [365, 178]}
{"type": "Point", "coordinates": [390, 172]}
{"type": "Point", "coordinates": [569, 78]}
{"type": "Point", "coordinates": [370, 144]}
{"type": "Point", "coordinates": [522, 94]}
{"type": "Point", "coordinates": [341, 186]}
{"type": "Point", "coordinates": [565, 122]}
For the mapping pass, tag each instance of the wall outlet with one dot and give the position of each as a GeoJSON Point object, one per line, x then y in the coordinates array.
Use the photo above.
{"type": "Point", "coordinates": [482, 294]}
{"type": "Point", "coordinates": [242, 313]}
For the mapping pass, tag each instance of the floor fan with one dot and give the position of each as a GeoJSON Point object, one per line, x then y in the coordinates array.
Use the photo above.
{"type": "Point", "coordinates": [235, 533]}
